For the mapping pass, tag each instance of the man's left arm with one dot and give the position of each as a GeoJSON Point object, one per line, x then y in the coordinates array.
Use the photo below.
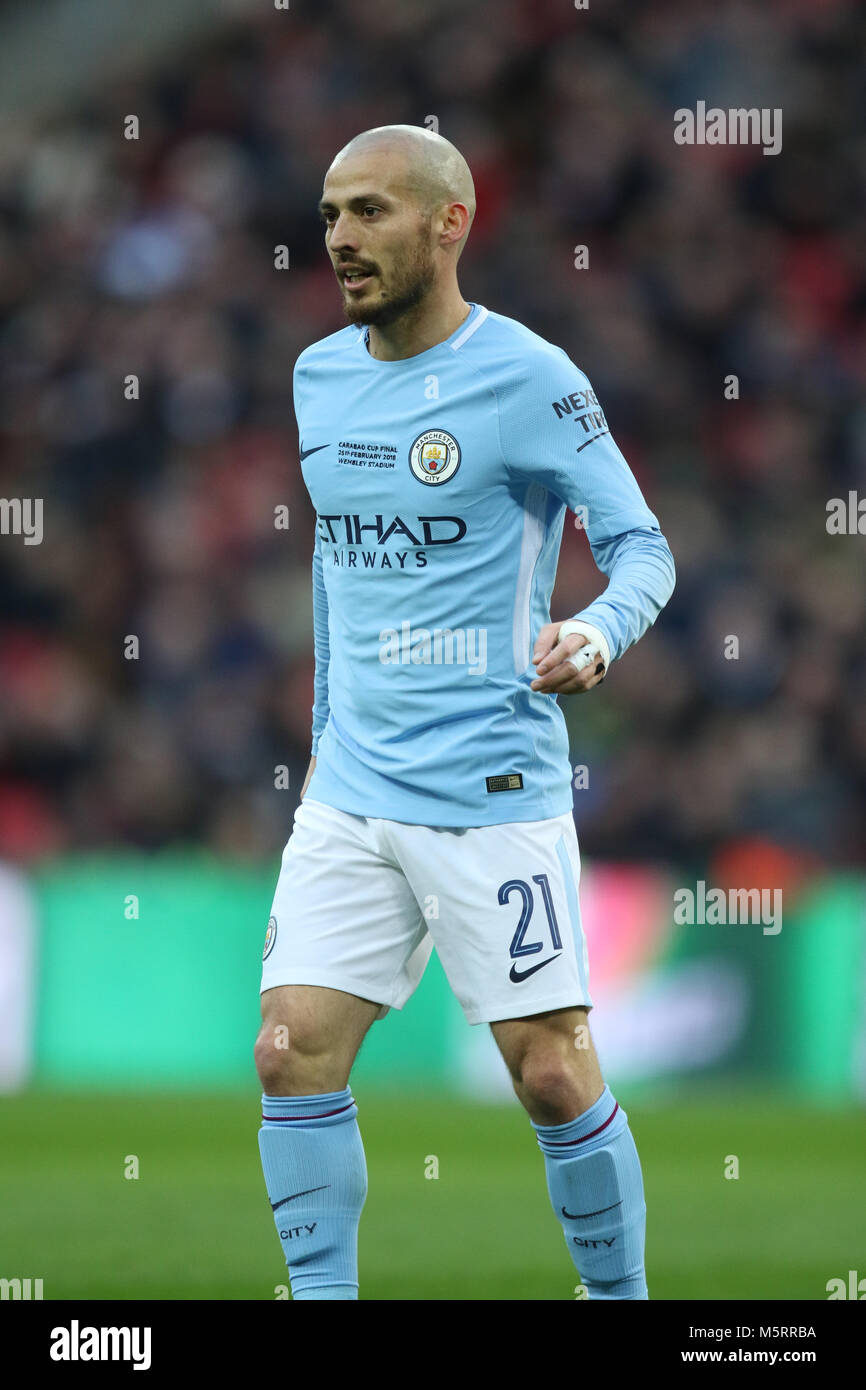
{"type": "Point", "coordinates": [640, 568]}
{"type": "Point", "coordinates": [572, 451]}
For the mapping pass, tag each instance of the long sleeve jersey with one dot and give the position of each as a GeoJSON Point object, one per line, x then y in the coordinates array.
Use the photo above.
{"type": "Point", "coordinates": [440, 484]}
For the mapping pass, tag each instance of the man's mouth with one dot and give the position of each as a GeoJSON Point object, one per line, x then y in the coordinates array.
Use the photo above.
{"type": "Point", "coordinates": [355, 279]}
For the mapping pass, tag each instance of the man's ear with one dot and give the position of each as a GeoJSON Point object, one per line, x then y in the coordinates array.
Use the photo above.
{"type": "Point", "coordinates": [455, 223]}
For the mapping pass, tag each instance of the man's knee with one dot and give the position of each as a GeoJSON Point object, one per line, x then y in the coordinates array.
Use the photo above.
{"type": "Point", "coordinates": [309, 1038]}
{"type": "Point", "coordinates": [548, 1078]}
{"type": "Point", "coordinates": [291, 1056]}
{"type": "Point", "coordinates": [271, 1055]}
{"type": "Point", "coordinates": [554, 1080]}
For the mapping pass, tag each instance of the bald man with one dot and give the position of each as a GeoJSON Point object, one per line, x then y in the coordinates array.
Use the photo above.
{"type": "Point", "coordinates": [441, 445]}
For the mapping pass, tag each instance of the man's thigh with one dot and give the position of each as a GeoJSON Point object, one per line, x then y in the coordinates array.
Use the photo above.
{"type": "Point", "coordinates": [343, 916]}
{"type": "Point", "coordinates": [501, 904]}
{"type": "Point", "coordinates": [316, 1013]}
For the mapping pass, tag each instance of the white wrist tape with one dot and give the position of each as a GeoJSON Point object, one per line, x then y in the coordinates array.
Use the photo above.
{"type": "Point", "coordinates": [595, 649]}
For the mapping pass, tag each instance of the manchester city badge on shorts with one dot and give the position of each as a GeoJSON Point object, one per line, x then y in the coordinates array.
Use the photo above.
{"type": "Point", "coordinates": [270, 937]}
{"type": "Point", "coordinates": [434, 457]}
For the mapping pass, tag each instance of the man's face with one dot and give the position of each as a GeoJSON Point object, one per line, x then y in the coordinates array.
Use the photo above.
{"type": "Point", "coordinates": [377, 237]}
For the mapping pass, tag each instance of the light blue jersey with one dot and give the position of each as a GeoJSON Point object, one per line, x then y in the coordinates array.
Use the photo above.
{"type": "Point", "coordinates": [440, 484]}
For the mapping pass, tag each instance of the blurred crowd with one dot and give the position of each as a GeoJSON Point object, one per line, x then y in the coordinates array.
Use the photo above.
{"type": "Point", "coordinates": [153, 258]}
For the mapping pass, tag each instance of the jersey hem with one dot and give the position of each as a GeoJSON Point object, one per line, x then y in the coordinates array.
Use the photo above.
{"type": "Point", "coordinates": [436, 817]}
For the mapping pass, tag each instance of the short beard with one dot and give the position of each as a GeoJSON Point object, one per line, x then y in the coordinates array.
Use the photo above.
{"type": "Point", "coordinates": [411, 283]}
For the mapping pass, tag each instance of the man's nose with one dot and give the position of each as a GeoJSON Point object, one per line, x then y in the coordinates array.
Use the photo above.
{"type": "Point", "coordinates": [344, 234]}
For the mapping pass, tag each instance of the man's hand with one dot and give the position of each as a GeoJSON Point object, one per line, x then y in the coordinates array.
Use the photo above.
{"type": "Point", "coordinates": [555, 674]}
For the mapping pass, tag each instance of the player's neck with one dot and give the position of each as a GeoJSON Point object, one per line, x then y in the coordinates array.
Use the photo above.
{"type": "Point", "coordinates": [429, 323]}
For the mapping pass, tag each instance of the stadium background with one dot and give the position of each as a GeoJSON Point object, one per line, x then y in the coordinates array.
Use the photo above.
{"type": "Point", "coordinates": [151, 781]}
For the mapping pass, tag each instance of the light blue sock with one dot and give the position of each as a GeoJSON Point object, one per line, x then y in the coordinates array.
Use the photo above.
{"type": "Point", "coordinates": [316, 1175]}
{"type": "Point", "coordinates": [596, 1187]}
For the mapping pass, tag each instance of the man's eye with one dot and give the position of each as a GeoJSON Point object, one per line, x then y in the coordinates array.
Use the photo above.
{"type": "Point", "coordinates": [330, 217]}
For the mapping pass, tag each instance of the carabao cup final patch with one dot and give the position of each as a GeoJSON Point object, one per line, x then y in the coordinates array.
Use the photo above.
{"type": "Point", "coordinates": [270, 937]}
{"type": "Point", "coordinates": [434, 457]}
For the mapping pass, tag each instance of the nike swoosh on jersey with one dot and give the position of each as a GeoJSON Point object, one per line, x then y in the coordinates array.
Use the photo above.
{"type": "Point", "coordinates": [276, 1205]}
{"type": "Point", "coordinates": [518, 975]}
{"type": "Point", "coordinates": [305, 453]}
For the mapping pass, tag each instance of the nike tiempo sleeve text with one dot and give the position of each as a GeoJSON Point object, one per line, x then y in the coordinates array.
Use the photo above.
{"type": "Point", "coordinates": [554, 431]}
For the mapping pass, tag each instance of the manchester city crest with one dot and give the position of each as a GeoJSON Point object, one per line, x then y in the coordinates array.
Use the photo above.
{"type": "Point", "coordinates": [270, 937]}
{"type": "Point", "coordinates": [434, 457]}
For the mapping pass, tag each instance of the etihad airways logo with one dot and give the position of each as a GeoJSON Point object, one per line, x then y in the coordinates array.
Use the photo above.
{"type": "Point", "coordinates": [352, 529]}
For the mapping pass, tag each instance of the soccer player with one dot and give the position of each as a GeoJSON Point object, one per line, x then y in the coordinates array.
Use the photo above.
{"type": "Point", "coordinates": [441, 444]}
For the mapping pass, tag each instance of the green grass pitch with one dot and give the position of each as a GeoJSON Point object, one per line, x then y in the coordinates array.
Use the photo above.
{"type": "Point", "coordinates": [196, 1222]}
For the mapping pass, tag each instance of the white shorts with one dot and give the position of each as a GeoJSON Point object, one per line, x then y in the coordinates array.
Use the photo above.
{"type": "Point", "coordinates": [361, 902]}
